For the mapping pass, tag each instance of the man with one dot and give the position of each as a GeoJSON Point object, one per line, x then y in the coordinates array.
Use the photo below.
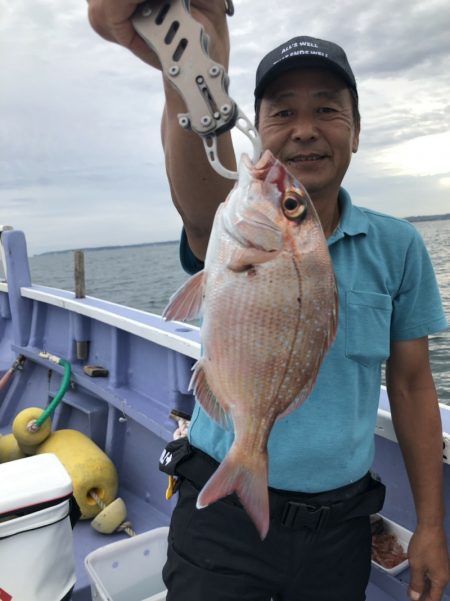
{"type": "Point", "coordinates": [307, 114]}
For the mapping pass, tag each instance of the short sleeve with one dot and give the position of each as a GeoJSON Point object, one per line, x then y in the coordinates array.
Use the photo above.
{"type": "Point", "coordinates": [189, 262]}
{"type": "Point", "coordinates": [417, 306]}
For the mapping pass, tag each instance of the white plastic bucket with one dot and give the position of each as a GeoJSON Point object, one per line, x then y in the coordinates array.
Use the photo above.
{"type": "Point", "coordinates": [129, 570]}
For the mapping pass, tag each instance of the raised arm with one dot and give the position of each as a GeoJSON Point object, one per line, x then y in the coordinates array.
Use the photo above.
{"type": "Point", "coordinates": [196, 189]}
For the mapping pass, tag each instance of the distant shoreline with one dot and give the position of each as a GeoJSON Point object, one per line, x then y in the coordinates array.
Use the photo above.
{"type": "Point", "coordinates": [415, 218]}
{"type": "Point", "coordinates": [412, 219]}
{"type": "Point", "coordinates": [111, 247]}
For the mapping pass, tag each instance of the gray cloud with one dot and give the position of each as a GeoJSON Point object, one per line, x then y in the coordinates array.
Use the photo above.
{"type": "Point", "coordinates": [403, 38]}
{"type": "Point", "coordinates": [399, 125]}
{"type": "Point", "coordinates": [80, 150]}
{"type": "Point", "coordinates": [23, 201]}
{"type": "Point", "coordinates": [383, 38]}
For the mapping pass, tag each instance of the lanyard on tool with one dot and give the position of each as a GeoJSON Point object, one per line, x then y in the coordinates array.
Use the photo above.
{"type": "Point", "coordinates": [182, 48]}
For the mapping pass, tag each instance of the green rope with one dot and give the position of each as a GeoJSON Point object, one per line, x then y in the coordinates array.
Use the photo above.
{"type": "Point", "coordinates": [59, 395]}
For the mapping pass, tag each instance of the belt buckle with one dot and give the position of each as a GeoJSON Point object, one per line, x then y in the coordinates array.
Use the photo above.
{"type": "Point", "coordinates": [301, 514]}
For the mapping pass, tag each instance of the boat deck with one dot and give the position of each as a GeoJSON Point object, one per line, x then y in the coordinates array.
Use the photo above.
{"type": "Point", "coordinates": [127, 413]}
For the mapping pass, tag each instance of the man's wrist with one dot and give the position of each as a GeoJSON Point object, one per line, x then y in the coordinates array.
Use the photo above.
{"type": "Point", "coordinates": [430, 522]}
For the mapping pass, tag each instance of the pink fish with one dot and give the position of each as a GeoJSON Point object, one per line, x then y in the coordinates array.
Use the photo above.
{"type": "Point", "coordinates": [269, 304]}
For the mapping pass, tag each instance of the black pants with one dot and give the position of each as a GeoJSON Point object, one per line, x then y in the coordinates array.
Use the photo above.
{"type": "Point", "coordinates": [215, 554]}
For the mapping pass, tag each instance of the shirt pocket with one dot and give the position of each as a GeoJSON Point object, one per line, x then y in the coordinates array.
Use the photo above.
{"type": "Point", "coordinates": [368, 325]}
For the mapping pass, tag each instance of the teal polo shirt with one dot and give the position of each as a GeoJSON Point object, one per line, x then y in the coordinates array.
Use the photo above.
{"type": "Point", "coordinates": [387, 292]}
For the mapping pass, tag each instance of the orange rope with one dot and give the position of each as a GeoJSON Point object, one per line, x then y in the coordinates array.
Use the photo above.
{"type": "Point", "coordinates": [4, 381]}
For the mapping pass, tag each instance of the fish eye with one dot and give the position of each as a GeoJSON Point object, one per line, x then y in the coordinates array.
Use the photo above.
{"type": "Point", "coordinates": [293, 205]}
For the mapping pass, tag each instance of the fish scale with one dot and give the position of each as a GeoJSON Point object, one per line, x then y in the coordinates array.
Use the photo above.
{"type": "Point", "coordinates": [269, 304]}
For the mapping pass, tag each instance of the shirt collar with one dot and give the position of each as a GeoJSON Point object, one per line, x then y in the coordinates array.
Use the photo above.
{"type": "Point", "coordinates": [353, 220]}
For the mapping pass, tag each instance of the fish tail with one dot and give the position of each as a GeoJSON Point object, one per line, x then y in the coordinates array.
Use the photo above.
{"type": "Point", "coordinates": [248, 480]}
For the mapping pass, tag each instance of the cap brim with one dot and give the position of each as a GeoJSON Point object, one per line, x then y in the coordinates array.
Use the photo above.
{"type": "Point", "coordinates": [298, 62]}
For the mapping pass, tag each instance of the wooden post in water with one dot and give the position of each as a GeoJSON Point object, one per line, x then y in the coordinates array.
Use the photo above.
{"type": "Point", "coordinates": [80, 285]}
{"type": "Point", "coordinates": [81, 324]}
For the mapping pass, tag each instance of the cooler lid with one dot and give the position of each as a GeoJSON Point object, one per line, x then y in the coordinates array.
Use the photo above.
{"type": "Point", "coordinates": [31, 481]}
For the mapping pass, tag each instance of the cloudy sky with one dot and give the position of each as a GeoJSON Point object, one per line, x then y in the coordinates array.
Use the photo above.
{"type": "Point", "coordinates": [80, 157]}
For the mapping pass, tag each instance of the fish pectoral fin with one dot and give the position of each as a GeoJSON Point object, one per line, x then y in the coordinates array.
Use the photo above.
{"type": "Point", "coordinates": [244, 259]}
{"type": "Point", "coordinates": [206, 398]}
{"type": "Point", "coordinates": [186, 302]}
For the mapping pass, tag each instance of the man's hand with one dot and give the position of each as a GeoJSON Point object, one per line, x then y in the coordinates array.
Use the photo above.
{"type": "Point", "coordinates": [112, 20]}
{"type": "Point", "coordinates": [429, 563]}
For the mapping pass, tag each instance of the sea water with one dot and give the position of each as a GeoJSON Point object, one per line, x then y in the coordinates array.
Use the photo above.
{"type": "Point", "coordinates": [144, 277]}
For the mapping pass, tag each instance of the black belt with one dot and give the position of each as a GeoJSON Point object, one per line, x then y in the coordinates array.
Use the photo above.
{"type": "Point", "coordinates": [292, 509]}
{"type": "Point", "coordinates": [316, 515]}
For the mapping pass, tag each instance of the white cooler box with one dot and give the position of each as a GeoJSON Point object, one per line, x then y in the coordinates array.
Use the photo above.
{"type": "Point", "coordinates": [129, 569]}
{"type": "Point", "coordinates": [36, 551]}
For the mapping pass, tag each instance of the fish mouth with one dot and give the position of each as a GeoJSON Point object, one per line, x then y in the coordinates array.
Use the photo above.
{"type": "Point", "coordinates": [263, 165]}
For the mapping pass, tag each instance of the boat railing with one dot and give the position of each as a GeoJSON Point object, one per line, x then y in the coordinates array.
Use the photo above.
{"type": "Point", "coordinates": [3, 282]}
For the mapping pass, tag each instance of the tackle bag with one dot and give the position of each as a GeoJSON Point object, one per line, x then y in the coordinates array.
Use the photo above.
{"type": "Point", "coordinates": [36, 551]}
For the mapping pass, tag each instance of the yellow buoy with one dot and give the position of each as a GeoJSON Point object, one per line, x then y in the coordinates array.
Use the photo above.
{"type": "Point", "coordinates": [28, 439]}
{"type": "Point", "coordinates": [27, 450]}
{"type": "Point", "coordinates": [89, 467]}
{"type": "Point", "coordinates": [110, 518]}
{"type": "Point", "coordinates": [9, 449]}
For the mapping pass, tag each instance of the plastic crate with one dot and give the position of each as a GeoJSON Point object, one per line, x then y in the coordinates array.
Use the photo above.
{"type": "Point", "coordinates": [129, 570]}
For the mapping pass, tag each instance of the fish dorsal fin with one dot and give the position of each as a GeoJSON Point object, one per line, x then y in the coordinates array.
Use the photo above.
{"type": "Point", "coordinates": [186, 302]}
{"type": "Point", "coordinates": [206, 397]}
{"type": "Point", "coordinates": [309, 385]}
{"type": "Point", "coordinates": [300, 398]}
{"type": "Point", "coordinates": [334, 318]}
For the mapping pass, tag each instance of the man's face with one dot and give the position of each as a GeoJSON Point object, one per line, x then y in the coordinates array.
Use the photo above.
{"type": "Point", "coordinates": [306, 120]}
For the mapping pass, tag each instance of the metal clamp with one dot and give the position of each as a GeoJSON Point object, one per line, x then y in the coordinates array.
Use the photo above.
{"type": "Point", "coordinates": [244, 125]}
{"type": "Point", "coordinates": [181, 45]}
{"type": "Point", "coordinates": [182, 48]}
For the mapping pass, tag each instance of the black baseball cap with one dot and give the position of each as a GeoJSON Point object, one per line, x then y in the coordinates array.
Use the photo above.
{"type": "Point", "coordinates": [303, 51]}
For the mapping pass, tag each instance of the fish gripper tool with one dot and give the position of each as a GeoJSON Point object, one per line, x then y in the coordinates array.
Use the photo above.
{"type": "Point", "coordinates": [181, 45]}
